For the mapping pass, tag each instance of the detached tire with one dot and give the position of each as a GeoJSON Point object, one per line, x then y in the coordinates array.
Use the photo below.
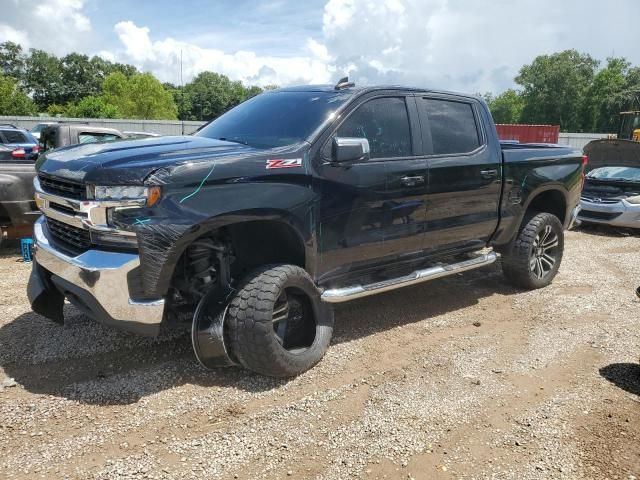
{"type": "Point", "coordinates": [276, 322]}
{"type": "Point", "coordinates": [533, 259]}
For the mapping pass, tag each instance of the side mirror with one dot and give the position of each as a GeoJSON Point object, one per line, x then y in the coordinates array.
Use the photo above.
{"type": "Point", "coordinates": [348, 149]}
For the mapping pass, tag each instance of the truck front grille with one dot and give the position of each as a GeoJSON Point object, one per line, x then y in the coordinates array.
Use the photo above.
{"type": "Point", "coordinates": [64, 188]}
{"type": "Point", "coordinates": [78, 239]}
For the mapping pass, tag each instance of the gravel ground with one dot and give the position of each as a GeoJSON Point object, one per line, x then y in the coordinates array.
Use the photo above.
{"type": "Point", "coordinates": [464, 377]}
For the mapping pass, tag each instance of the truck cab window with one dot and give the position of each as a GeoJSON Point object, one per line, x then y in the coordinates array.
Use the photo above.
{"type": "Point", "coordinates": [96, 137]}
{"type": "Point", "coordinates": [452, 126]}
{"type": "Point", "coordinates": [385, 123]}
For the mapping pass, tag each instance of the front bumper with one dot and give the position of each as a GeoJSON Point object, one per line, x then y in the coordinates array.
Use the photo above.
{"type": "Point", "coordinates": [94, 281]}
{"type": "Point", "coordinates": [619, 214]}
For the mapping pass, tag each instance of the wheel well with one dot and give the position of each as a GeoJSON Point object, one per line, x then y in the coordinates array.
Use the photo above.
{"type": "Point", "coordinates": [550, 201]}
{"type": "Point", "coordinates": [262, 242]}
{"type": "Point", "coordinates": [229, 254]}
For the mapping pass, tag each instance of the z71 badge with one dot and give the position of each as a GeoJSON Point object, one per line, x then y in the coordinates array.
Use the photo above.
{"type": "Point", "coordinates": [284, 163]}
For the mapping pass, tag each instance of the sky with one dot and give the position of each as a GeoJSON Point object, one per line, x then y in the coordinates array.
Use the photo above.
{"type": "Point", "coordinates": [464, 45]}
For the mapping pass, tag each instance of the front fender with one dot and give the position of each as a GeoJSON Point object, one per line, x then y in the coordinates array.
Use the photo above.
{"type": "Point", "coordinates": [164, 235]}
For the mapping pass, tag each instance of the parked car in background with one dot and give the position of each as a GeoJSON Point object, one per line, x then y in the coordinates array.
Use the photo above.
{"type": "Point", "coordinates": [35, 131]}
{"type": "Point", "coordinates": [24, 145]}
{"type": "Point", "coordinates": [18, 209]}
{"type": "Point", "coordinates": [611, 196]}
{"type": "Point", "coordinates": [63, 134]}
{"type": "Point", "coordinates": [292, 201]}
{"type": "Point", "coordinates": [141, 134]}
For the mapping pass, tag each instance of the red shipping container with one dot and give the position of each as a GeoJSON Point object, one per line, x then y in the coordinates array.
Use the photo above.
{"type": "Point", "coordinates": [528, 133]}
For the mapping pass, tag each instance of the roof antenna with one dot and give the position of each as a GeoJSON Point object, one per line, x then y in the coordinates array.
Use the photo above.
{"type": "Point", "coordinates": [344, 83]}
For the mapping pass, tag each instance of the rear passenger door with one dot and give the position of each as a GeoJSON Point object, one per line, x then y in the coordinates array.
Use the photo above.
{"type": "Point", "coordinates": [464, 174]}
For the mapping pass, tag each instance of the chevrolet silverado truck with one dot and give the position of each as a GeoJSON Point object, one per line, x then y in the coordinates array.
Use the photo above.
{"type": "Point", "coordinates": [297, 199]}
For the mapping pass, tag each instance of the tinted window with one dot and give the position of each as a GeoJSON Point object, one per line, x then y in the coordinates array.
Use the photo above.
{"type": "Point", "coordinates": [385, 123]}
{"type": "Point", "coordinates": [275, 119]}
{"type": "Point", "coordinates": [453, 126]}
{"type": "Point", "coordinates": [14, 136]}
{"type": "Point", "coordinates": [96, 137]}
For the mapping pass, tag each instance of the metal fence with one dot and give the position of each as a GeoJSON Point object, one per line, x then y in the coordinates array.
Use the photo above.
{"type": "Point", "coordinates": [579, 140]}
{"type": "Point", "coordinates": [177, 127]}
{"type": "Point", "coordinates": [162, 127]}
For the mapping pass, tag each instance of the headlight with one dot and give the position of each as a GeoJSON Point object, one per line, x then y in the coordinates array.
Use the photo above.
{"type": "Point", "coordinates": [125, 192]}
{"type": "Point", "coordinates": [634, 200]}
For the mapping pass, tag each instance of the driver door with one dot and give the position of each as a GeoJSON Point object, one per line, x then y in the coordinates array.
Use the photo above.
{"type": "Point", "coordinates": [373, 211]}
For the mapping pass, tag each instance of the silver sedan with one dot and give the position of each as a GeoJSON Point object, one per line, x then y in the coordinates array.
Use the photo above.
{"type": "Point", "coordinates": [611, 196]}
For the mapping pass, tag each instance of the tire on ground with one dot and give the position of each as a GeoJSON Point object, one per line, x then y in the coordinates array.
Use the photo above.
{"type": "Point", "coordinates": [516, 260]}
{"type": "Point", "coordinates": [250, 329]}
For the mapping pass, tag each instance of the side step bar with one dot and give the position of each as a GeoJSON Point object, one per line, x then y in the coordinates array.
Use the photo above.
{"type": "Point", "coordinates": [338, 295]}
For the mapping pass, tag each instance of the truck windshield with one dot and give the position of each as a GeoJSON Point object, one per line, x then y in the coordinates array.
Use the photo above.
{"type": "Point", "coordinates": [631, 174]}
{"type": "Point", "coordinates": [275, 119]}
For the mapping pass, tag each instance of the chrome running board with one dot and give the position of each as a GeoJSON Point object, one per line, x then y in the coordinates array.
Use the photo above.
{"type": "Point", "coordinates": [344, 294]}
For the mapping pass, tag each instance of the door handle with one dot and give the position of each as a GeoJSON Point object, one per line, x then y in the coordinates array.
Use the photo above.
{"type": "Point", "coordinates": [489, 173]}
{"type": "Point", "coordinates": [412, 181]}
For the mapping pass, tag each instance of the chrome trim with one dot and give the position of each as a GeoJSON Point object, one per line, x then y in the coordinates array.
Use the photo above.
{"type": "Point", "coordinates": [93, 213]}
{"type": "Point", "coordinates": [101, 273]}
{"type": "Point", "coordinates": [573, 218]}
{"type": "Point", "coordinates": [338, 295]}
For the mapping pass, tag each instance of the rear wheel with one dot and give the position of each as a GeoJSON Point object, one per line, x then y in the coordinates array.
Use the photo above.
{"type": "Point", "coordinates": [276, 323]}
{"type": "Point", "coordinates": [534, 257]}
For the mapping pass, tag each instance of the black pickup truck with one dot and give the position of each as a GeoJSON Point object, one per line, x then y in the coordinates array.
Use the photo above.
{"type": "Point", "coordinates": [292, 201]}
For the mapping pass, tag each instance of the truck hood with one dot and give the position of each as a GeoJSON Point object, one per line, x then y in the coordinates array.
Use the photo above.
{"type": "Point", "coordinates": [131, 161]}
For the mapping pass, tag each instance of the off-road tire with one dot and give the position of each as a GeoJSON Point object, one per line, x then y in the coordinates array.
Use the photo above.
{"type": "Point", "coordinates": [516, 261]}
{"type": "Point", "coordinates": [250, 330]}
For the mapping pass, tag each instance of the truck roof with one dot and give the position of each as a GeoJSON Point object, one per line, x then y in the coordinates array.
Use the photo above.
{"type": "Point", "coordinates": [365, 89]}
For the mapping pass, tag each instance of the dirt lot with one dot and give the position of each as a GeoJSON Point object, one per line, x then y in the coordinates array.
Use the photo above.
{"type": "Point", "coordinates": [463, 377]}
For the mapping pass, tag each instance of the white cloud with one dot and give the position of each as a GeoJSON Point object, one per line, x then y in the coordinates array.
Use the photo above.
{"type": "Point", "coordinates": [57, 26]}
{"type": "Point", "coordinates": [464, 45]}
{"type": "Point", "coordinates": [162, 57]}
{"type": "Point", "coordinates": [10, 34]}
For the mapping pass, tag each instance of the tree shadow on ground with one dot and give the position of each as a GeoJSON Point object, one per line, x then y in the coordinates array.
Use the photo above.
{"type": "Point", "coordinates": [90, 363]}
{"type": "Point", "coordinates": [623, 375]}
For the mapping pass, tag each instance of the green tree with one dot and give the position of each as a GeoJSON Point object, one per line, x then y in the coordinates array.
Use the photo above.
{"type": "Point", "coordinates": [13, 101]}
{"type": "Point", "coordinates": [554, 88]}
{"type": "Point", "coordinates": [141, 96]}
{"type": "Point", "coordinates": [43, 78]}
{"type": "Point", "coordinates": [603, 99]}
{"type": "Point", "coordinates": [92, 107]}
{"type": "Point", "coordinates": [56, 110]}
{"type": "Point", "coordinates": [210, 94]}
{"type": "Point", "coordinates": [80, 77]}
{"type": "Point", "coordinates": [506, 107]}
{"type": "Point", "coordinates": [12, 60]}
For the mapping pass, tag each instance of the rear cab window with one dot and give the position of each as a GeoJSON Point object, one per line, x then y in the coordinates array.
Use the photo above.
{"type": "Point", "coordinates": [95, 137]}
{"type": "Point", "coordinates": [452, 127]}
{"type": "Point", "coordinates": [384, 122]}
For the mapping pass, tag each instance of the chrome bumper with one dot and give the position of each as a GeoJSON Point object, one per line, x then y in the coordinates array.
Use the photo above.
{"type": "Point", "coordinates": [96, 281]}
{"type": "Point", "coordinates": [623, 214]}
